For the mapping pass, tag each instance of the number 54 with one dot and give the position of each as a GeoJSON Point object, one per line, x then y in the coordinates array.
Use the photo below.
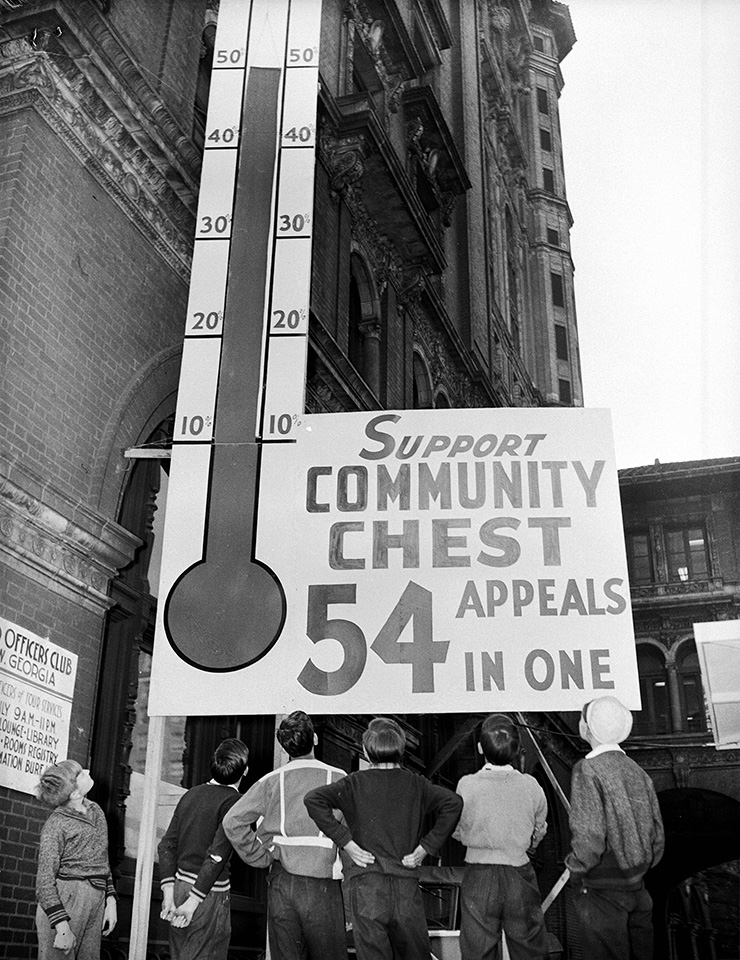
{"type": "Point", "coordinates": [421, 652]}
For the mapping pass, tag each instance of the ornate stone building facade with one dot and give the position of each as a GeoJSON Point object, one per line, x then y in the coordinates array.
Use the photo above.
{"type": "Point", "coordinates": [682, 532]}
{"type": "Point", "coordinates": [442, 277]}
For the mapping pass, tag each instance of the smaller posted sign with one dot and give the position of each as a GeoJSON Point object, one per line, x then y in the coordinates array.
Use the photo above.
{"type": "Point", "coordinates": [37, 681]}
{"type": "Point", "coordinates": [431, 561]}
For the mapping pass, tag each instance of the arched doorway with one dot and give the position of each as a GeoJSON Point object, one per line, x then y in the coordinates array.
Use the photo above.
{"type": "Point", "coordinates": [701, 833]}
{"type": "Point", "coordinates": [121, 722]}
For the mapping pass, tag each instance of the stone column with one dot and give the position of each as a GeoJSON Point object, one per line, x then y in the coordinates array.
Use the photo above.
{"type": "Point", "coordinates": [371, 336]}
{"type": "Point", "coordinates": [674, 697]}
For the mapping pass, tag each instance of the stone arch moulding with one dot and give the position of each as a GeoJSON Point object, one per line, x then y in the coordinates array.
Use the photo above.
{"type": "Point", "coordinates": [655, 644]}
{"type": "Point", "coordinates": [422, 379]}
{"type": "Point", "coordinates": [149, 399]}
{"type": "Point", "coordinates": [359, 269]}
{"type": "Point", "coordinates": [679, 648]}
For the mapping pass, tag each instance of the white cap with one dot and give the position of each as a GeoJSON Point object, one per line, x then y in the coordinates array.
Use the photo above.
{"type": "Point", "coordinates": [608, 719]}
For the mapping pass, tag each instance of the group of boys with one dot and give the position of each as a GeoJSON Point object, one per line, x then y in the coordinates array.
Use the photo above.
{"type": "Point", "coordinates": [385, 820]}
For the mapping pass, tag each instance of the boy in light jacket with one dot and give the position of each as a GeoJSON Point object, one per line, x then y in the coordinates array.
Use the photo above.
{"type": "Point", "coordinates": [503, 821]}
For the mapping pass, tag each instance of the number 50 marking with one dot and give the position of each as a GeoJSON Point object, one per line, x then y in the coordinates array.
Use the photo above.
{"type": "Point", "coordinates": [421, 652]}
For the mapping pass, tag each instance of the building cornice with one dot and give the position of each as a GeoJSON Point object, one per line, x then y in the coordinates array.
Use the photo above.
{"type": "Point", "coordinates": [57, 541]}
{"type": "Point", "coordinates": [68, 66]}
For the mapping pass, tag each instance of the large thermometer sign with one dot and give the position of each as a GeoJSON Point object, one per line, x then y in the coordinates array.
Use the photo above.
{"type": "Point", "coordinates": [386, 561]}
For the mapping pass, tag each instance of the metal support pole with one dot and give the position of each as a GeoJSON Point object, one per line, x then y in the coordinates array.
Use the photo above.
{"type": "Point", "coordinates": [563, 879]}
{"type": "Point", "coordinates": [147, 840]}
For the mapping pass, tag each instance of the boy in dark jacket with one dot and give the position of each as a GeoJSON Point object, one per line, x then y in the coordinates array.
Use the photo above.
{"type": "Point", "coordinates": [617, 835]}
{"type": "Point", "coordinates": [182, 852]}
{"type": "Point", "coordinates": [385, 808]}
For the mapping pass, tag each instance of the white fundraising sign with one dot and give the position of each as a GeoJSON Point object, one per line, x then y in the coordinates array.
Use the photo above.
{"type": "Point", "coordinates": [37, 681]}
{"type": "Point", "coordinates": [433, 561]}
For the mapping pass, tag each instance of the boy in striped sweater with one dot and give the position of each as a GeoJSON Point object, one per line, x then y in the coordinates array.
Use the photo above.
{"type": "Point", "coordinates": [74, 886]}
{"type": "Point", "coordinates": [200, 919]}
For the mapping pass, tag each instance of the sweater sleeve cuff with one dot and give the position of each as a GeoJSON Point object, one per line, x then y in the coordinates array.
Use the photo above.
{"type": "Point", "coordinates": [56, 914]}
{"type": "Point", "coordinates": [342, 836]}
{"type": "Point", "coordinates": [167, 882]}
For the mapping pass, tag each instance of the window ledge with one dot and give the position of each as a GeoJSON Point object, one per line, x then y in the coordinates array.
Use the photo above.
{"type": "Point", "coordinates": [646, 741]}
{"type": "Point", "coordinates": [680, 592]}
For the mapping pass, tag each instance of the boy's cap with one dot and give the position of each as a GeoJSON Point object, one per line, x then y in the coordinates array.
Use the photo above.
{"type": "Point", "coordinates": [54, 778]}
{"type": "Point", "coordinates": [608, 719]}
{"type": "Point", "coordinates": [58, 773]}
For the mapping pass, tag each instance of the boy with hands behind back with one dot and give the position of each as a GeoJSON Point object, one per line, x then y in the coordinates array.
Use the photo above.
{"type": "Point", "coordinates": [194, 870]}
{"type": "Point", "coordinates": [385, 808]}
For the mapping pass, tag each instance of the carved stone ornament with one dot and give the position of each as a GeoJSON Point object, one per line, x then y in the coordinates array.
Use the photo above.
{"type": "Point", "coordinates": [442, 367]}
{"type": "Point", "coordinates": [320, 398]}
{"type": "Point", "coordinates": [500, 17]}
{"type": "Point", "coordinates": [374, 33]}
{"type": "Point", "coordinates": [37, 71]}
{"type": "Point", "coordinates": [73, 557]}
{"type": "Point", "coordinates": [344, 162]}
{"type": "Point", "coordinates": [412, 287]}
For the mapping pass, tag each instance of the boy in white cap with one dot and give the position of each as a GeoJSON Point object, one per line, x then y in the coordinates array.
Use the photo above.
{"type": "Point", "coordinates": [616, 836]}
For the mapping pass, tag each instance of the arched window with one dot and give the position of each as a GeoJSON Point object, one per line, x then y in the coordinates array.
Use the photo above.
{"type": "Point", "coordinates": [119, 745]}
{"type": "Point", "coordinates": [693, 713]}
{"type": "Point", "coordinates": [422, 398]}
{"type": "Point", "coordinates": [365, 332]}
{"type": "Point", "coordinates": [441, 401]}
{"type": "Point", "coordinates": [356, 352]}
{"type": "Point", "coordinates": [655, 714]}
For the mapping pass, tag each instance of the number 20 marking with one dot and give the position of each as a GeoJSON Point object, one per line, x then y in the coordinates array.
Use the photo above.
{"type": "Point", "coordinates": [291, 319]}
{"type": "Point", "coordinates": [422, 652]}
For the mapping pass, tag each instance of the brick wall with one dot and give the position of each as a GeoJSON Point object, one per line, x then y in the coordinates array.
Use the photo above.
{"type": "Point", "coordinates": [323, 279]}
{"type": "Point", "coordinates": [79, 323]}
{"type": "Point", "coordinates": [86, 302]}
{"type": "Point", "coordinates": [21, 819]}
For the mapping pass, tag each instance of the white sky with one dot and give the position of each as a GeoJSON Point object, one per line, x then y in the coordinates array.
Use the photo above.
{"type": "Point", "coordinates": [650, 118]}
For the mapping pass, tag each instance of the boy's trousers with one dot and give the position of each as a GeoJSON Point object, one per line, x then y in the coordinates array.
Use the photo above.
{"type": "Point", "coordinates": [305, 917]}
{"type": "Point", "coordinates": [496, 897]}
{"type": "Point", "coordinates": [85, 905]}
{"type": "Point", "coordinates": [388, 917]}
{"type": "Point", "coordinates": [209, 932]}
{"type": "Point", "coordinates": [615, 924]}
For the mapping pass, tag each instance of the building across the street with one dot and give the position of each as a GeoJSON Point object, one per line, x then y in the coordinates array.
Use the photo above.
{"type": "Point", "coordinates": [441, 277]}
{"type": "Point", "coordinates": [682, 533]}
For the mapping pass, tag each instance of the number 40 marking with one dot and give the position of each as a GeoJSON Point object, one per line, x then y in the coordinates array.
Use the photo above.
{"type": "Point", "coordinates": [421, 652]}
